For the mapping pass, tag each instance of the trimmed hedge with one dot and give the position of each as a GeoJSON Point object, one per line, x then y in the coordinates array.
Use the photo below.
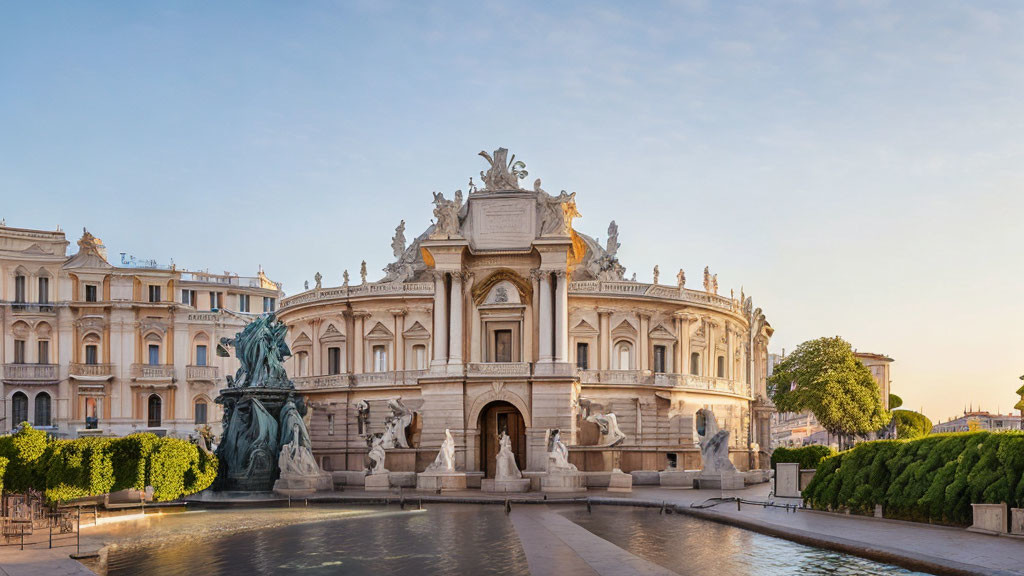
{"type": "Point", "coordinates": [70, 469]}
{"type": "Point", "coordinates": [3, 468]}
{"type": "Point", "coordinates": [931, 479]}
{"type": "Point", "coordinates": [807, 456]}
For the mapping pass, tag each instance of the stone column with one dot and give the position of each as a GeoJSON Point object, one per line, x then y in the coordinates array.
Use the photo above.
{"type": "Point", "coordinates": [398, 363]}
{"type": "Point", "coordinates": [604, 344]}
{"type": "Point", "coordinates": [455, 347]}
{"type": "Point", "coordinates": [440, 320]}
{"type": "Point", "coordinates": [359, 355]}
{"type": "Point", "coordinates": [544, 328]}
{"type": "Point", "coordinates": [709, 348]}
{"type": "Point", "coordinates": [642, 358]}
{"type": "Point", "coordinates": [730, 362]}
{"type": "Point", "coordinates": [561, 317]}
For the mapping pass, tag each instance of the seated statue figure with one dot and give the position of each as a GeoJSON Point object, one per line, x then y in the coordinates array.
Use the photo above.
{"type": "Point", "coordinates": [714, 444]}
{"type": "Point", "coordinates": [395, 425]}
{"type": "Point", "coordinates": [377, 456]}
{"type": "Point", "coordinates": [506, 460]}
{"type": "Point", "coordinates": [296, 459]}
{"type": "Point", "coordinates": [558, 454]}
{"type": "Point", "coordinates": [611, 435]}
{"type": "Point", "coordinates": [445, 460]}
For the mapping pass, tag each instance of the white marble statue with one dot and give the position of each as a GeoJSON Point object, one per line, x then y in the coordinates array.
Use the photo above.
{"type": "Point", "coordinates": [558, 454]}
{"type": "Point", "coordinates": [395, 425]}
{"type": "Point", "coordinates": [445, 460]}
{"type": "Point", "coordinates": [714, 444]}
{"type": "Point", "coordinates": [506, 461]}
{"type": "Point", "coordinates": [377, 455]}
{"type": "Point", "coordinates": [296, 459]}
{"type": "Point", "coordinates": [611, 434]}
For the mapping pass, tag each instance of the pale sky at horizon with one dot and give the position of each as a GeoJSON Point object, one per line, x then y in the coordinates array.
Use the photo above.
{"type": "Point", "coordinates": [856, 166]}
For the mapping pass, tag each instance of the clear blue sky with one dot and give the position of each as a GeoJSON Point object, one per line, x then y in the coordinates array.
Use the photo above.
{"type": "Point", "coordinates": [857, 166]}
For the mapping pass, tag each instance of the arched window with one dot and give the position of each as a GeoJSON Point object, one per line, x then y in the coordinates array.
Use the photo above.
{"type": "Point", "coordinates": [721, 366]}
{"type": "Point", "coordinates": [695, 363]}
{"type": "Point", "coordinates": [42, 414]}
{"type": "Point", "coordinates": [200, 411]}
{"type": "Point", "coordinates": [154, 410]}
{"type": "Point", "coordinates": [19, 408]}
{"type": "Point", "coordinates": [623, 356]}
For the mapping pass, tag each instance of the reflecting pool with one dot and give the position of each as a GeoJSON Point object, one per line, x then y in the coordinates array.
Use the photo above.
{"type": "Point", "coordinates": [442, 539]}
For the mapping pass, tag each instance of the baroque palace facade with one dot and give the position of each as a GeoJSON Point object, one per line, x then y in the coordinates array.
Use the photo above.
{"type": "Point", "coordinates": [93, 348]}
{"type": "Point", "coordinates": [502, 317]}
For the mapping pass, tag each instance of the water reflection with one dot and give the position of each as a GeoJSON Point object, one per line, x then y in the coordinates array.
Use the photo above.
{"type": "Point", "coordinates": [691, 546]}
{"type": "Point", "coordinates": [444, 539]}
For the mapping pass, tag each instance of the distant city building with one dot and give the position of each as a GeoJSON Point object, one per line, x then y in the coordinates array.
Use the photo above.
{"type": "Point", "coordinates": [91, 348]}
{"type": "Point", "coordinates": [979, 420]}
{"type": "Point", "coordinates": [802, 428]}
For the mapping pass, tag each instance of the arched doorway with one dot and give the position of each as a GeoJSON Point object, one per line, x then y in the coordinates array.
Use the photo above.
{"type": "Point", "coordinates": [496, 417]}
{"type": "Point", "coordinates": [154, 411]}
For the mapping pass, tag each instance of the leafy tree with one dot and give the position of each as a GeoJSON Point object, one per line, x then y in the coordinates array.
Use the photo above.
{"type": "Point", "coordinates": [894, 401]}
{"type": "Point", "coordinates": [910, 424]}
{"type": "Point", "coordinates": [824, 377]}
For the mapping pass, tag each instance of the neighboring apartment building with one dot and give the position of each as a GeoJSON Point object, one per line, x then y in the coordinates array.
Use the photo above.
{"type": "Point", "coordinates": [93, 348]}
{"type": "Point", "coordinates": [802, 428]}
{"type": "Point", "coordinates": [979, 420]}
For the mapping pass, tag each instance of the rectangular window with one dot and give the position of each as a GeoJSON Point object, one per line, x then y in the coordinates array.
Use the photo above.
{"type": "Point", "coordinates": [90, 293]}
{"type": "Point", "coordinates": [154, 355]}
{"type": "Point", "coordinates": [200, 413]}
{"type": "Point", "coordinates": [19, 351]}
{"type": "Point", "coordinates": [659, 359]}
{"type": "Point", "coordinates": [721, 366]}
{"type": "Point", "coordinates": [334, 360]}
{"type": "Point", "coordinates": [44, 352]}
{"type": "Point", "coordinates": [19, 289]}
{"type": "Point", "coordinates": [380, 359]}
{"type": "Point", "coordinates": [44, 290]}
{"type": "Point", "coordinates": [154, 293]}
{"type": "Point", "coordinates": [215, 298]}
{"type": "Point", "coordinates": [243, 302]}
{"type": "Point", "coordinates": [90, 354]}
{"type": "Point", "coordinates": [502, 345]}
{"type": "Point", "coordinates": [582, 355]}
{"type": "Point", "coordinates": [188, 297]}
{"type": "Point", "coordinates": [420, 353]}
{"type": "Point", "coordinates": [695, 363]}
{"type": "Point", "coordinates": [201, 355]}
{"type": "Point", "coordinates": [269, 304]}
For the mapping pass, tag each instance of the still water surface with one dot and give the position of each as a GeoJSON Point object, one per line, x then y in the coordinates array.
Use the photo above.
{"type": "Point", "coordinates": [444, 539]}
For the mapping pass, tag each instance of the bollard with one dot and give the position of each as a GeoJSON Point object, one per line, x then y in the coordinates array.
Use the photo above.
{"type": "Point", "coordinates": [78, 532]}
{"type": "Point", "coordinates": [419, 504]}
{"type": "Point", "coordinates": [51, 532]}
{"type": "Point", "coordinates": [588, 506]}
{"type": "Point", "coordinates": [22, 537]}
{"type": "Point", "coordinates": [508, 506]}
{"type": "Point", "coordinates": [662, 511]}
{"type": "Point", "coordinates": [401, 503]}
{"type": "Point", "coordinates": [737, 504]}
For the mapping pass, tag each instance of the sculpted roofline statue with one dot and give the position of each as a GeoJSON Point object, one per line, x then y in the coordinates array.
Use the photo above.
{"type": "Point", "coordinates": [502, 174]}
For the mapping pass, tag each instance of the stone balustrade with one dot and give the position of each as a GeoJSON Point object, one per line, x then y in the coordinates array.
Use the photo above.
{"type": "Point", "coordinates": [327, 382]}
{"type": "Point", "coordinates": [372, 288]}
{"type": "Point", "coordinates": [30, 372]}
{"type": "Point", "coordinates": [91, 370]}
{"type": "Point", "coordinates": [477, 369]}
{"type": "Point", "coordinates": [622, 288]}
{"type": "Point", "coordinates": [202, 373]}
{"type": "Point", "coordinates": [153, 371]}
{"type": "Point", "coordinates": [685, 381]}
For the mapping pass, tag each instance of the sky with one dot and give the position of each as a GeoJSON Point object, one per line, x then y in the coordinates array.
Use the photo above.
{"type": "Point", "coordinates": [856, 167]}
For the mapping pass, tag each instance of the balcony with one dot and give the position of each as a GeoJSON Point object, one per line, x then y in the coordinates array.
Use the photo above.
{"type": "Point", "coordinates": [33, 308]}
{"type": "Point", "coordinates": [397, 378]}
{"type": "Point", "coordinates": [202, 373]}
{"type": "Point", "coordinates": [30, 374]}
{"type": "Point", "coordinates": [91, 371]}
{"type": "Point", "coordinates": [329, 382]}
{"type": "Point", "coordinates": [684, 381]}
{"type": "Point", "coordinates": [153, 372]}
{"type": "Point", "coordinates": [501, 369]}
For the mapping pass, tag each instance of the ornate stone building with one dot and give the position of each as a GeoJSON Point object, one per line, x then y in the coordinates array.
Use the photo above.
{"type": "Point", "coordinates": [501, 316]}
{"type": "Point", "coordinates": [94, 348]}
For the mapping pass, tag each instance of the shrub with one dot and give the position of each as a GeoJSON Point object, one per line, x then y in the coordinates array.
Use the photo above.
{"type": "Point", "coordinates": [78, 468]}
{"type": "Point", "coordinates": [930, 479]}
{"type": "Point", "coordinates": [131, 457]}
{"type": "Point", "coordinates": [3, 469]}
{"type": "Point", "coordinates": [808, 456]}
{"type": "Point", "coordinates": [22, 450]}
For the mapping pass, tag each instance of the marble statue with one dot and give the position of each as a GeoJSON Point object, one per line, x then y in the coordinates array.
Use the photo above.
{"type": "Point", "coordinates": [502, 174]}
{"type": "Point", "coordinates": [291, 422]}
{"type": "Point", "coordinates": [707, 280]}
{"type": "Point", "coordinates": [656, 274]}
{"type": "Point", "coordinates": [398, 241]}
{"type": "Point", "coordinates": [558, 454]}
{"type": "Point", "coordinates": [344, 278]}
{"type": "Point", "coordinates": [506, 460]}
{"type": "Point", "coordinates": [362, 271]}
{"type": "Point", "coordinates": [363, 416]}
{"type": "Point", "coordinates": [395, 425]}
{"type": "Point", "coordinates": [317, 278]}
{"type": "Point", "coordinates": [296, 460]}
{"type": "Point", "coordinates": [377, 455]}
{"type": "Point", "coordinates": [681, 279]}
{"type": "Point", "coordinates": [446, 216]}
{"type": "Point", "coordinates": [612, 246]}
{"type": "Point", "coordinates": [557, 213]}
{"type": "Point", "coordinates": [714, 284]}
{"type": "Point", "coordinates": [445, 460]}
{"type": "Point", "coordinates": [611, 435]}
{"type": "Point", "coordinates": [714, 444]}
{"type": "Point", "coordinates": [472, 187]}
{"type": "Point", "coordinates": [305, 285]}
{"type": "Point", "coordinates": [261, 352]}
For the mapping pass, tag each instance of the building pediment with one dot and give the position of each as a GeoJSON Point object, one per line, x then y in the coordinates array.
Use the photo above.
{"type": "Point", "coordinates": [584, 329]}
{"type": "Point", "coordinates": [380, 332]}
{"type": "Point", "coordinates": [416, 331]}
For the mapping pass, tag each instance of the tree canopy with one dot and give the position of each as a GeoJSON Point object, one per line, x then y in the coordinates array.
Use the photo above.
{"type": "Point", "coordinates": [824, 377]}
{"type": "Point", "coordinates": [894, 401]}
{"type": "Point", "coordinates": [910, 424]}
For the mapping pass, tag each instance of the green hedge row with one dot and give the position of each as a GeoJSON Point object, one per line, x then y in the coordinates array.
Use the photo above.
{"type": "Point", "coordinates": [69, 469]}
{"type": "Point", "coordinates": [807, 456]}
{"type": "Point", "coordinates": [931, 479]}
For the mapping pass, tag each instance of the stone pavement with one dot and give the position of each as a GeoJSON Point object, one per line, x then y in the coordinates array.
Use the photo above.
{"type": "Point", "coordinates": [37, 559]}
